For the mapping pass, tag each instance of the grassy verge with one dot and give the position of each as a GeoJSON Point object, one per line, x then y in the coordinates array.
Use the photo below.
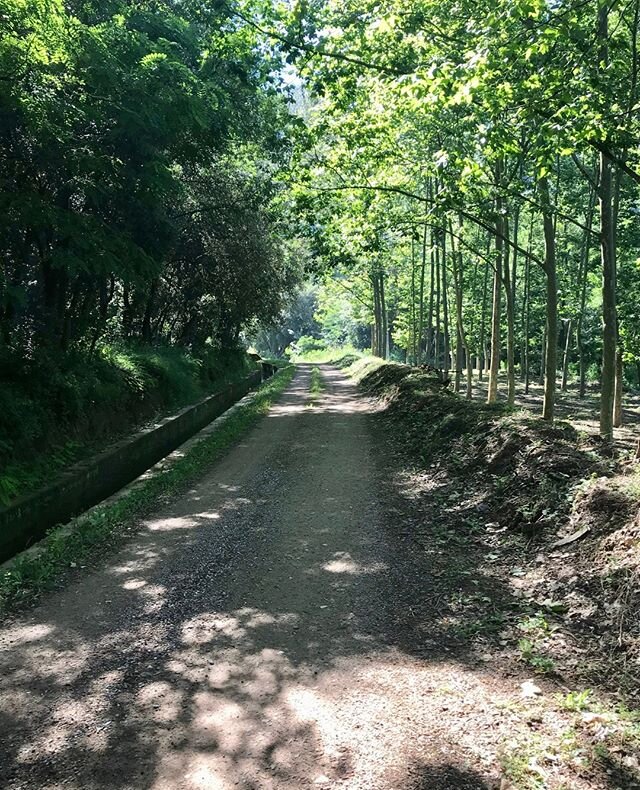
{"type": "Point", "coordinates": [29, 574]}
{"type": "Point", "coordinates": [316, 386]}
{"type": "Point", "coordinates": [56, 409]}
{"type": "Point", "coordinates": [356, 364]}
{"type": "Point", "coordinates": [327, 355]}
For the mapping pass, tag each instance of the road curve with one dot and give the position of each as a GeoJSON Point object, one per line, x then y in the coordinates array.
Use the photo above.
{"type": "Point", "coordinates": [253, 635]}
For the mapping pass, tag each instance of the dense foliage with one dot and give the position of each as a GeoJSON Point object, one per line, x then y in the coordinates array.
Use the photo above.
{"type": "Point", "coordinates": [465, 173]}
{"type": "Point", "coordinates": [138, 143]}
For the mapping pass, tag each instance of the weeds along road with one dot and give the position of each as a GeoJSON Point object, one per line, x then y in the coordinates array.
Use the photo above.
{"type": "Point", "coordinates": [259, 633]}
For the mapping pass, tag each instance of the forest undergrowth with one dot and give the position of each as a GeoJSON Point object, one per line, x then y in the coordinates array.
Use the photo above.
{"type": "Point", "coordinates": [534, 534]}
{"type": "Point", "coordinates": [56, 410]}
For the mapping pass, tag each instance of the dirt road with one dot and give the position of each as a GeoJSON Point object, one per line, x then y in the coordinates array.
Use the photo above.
{"type": "Point", "coordinates": [260, 633]}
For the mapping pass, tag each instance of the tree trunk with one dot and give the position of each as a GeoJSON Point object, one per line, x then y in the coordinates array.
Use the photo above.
{"type": "Point", "coordinates": [385, 320]}
{"type": "Point", "coordinates": [423, 267]}
{"type": "Point", "coordinates": [526, 310]}
{"type": "Point", "coordinates": [472, 327]}
{"type": "Point", "coordinates": [551, 355]}
{"type": "Point", "coordinates": [525, 326]}
{"type": "Point", "coordinates": [462, 347]}
{"type": "Point", "coordinates": [430, 353]}
{"type": "Point", "coordinates": [513, 294]}
{"type": "Point", "coordinates": [483, 321]}
{"type": "Point", "coordinates": [436, 342]}
{"type": "Point", "coordinates": [607, 257]}
{"type": "Point", "coordinates": [445, 308]}
{"type": "Point", "coordinates": [584, 275]}
{"type": "Point", "coordinates": [565, 357]}
{"type": "Point", "coordinates": [412, 312]}
{"type": "Point", "coordinates": [510, 309]}
{"type": "Point", "coordinates": [619, 377]}
{"type": "Point", "coordinates": [481, 355]}
{"type": "Point", "coordinates": [514, 255]}
{"type": "Point", "coordinates": [494, 368]}
{"type": "Point", "coordinates": [375, 333]}
{"type": "Point", "coordinates": [619, 389]}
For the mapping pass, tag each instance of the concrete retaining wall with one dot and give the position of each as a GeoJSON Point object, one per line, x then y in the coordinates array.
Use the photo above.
{"type": "Point", "coordinates": [87, 483]}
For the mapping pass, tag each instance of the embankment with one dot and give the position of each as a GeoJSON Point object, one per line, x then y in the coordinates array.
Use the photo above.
{"type": "Point", "coordinates": [88, 482]}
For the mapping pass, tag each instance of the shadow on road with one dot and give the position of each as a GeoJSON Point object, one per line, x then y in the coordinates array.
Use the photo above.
{"type": "Point", "coordinates": [278, 627]}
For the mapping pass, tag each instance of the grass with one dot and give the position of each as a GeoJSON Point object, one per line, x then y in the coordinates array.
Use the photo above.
{"type": "Point", "coordinates": [519, 766]}
{"type": "Point", "coordinates": [530, 655]}
{"type": "Point", "coordinates": [574, 735]}
{"type": "Point", "coordinates": [356, 364]}
{"type": "Point", "coordinates": [316, 386]}
{"type": "Point", "coordinates": [56, 409]}
{"type": "Point", "coordinates": [327, 354]}
{"type": "Point", "coordinates": [104, 527]}
{"type": "Point", "coordinates": [536, 629]}
{"type": "Point", "coordinates": [358, 368]}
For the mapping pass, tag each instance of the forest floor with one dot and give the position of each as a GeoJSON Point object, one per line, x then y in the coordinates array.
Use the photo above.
{"type": "Point", "coordinates": [310, 614]}
{"type": "Point", "coordinates": [582, 413]}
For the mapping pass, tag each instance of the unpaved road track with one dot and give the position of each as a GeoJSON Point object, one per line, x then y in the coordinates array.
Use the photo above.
{"type": "Point", "coordinates": [259, 633]}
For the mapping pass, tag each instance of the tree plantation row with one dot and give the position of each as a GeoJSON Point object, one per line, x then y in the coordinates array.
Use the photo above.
{"type": "Point", "coordinates": [471, 171]}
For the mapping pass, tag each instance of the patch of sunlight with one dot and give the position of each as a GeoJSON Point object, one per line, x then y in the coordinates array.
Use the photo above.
{"type": "Point", "coordinates": [76, 723]}
{"type": "Point", "coordinates": [154, 598]}
{"type": "Point", "coordinates": [168, 524]}
{"type": "Point", "coordinates": [144, 559]}
{"type": "Point", "coordinates": [29, 633]}
{"type": "Point", "coordinates": [343, 562]}
{"type": "Point", "coordinates": [160, 702]}
{"type": "Point", "coordinates": [207, 774]}
{"type": "Point", "coordinates": [134, 584]}
{"type": "Point", "coordinates": [207, 627]}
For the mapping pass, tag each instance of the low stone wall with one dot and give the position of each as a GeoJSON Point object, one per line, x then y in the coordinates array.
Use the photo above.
{"type": "Point", "coordinates": [88, 482]}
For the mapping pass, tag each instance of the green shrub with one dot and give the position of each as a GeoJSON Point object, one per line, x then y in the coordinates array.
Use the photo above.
{"type": "Point", "coordinates": [55, 409]}
{"type": "Point", "coordinates": [307, 344]}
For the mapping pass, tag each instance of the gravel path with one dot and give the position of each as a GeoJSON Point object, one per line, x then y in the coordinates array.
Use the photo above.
{"type": "Point", "coordinates": [257, 634]}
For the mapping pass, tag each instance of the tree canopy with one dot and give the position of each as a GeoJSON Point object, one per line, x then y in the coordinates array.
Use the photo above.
{"type": "Point", "coordinates": [138, 143]}
{"type": "Point", "coordinates": [477, 164]}
{"type": "Point", "coordinates": [466, 174]}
